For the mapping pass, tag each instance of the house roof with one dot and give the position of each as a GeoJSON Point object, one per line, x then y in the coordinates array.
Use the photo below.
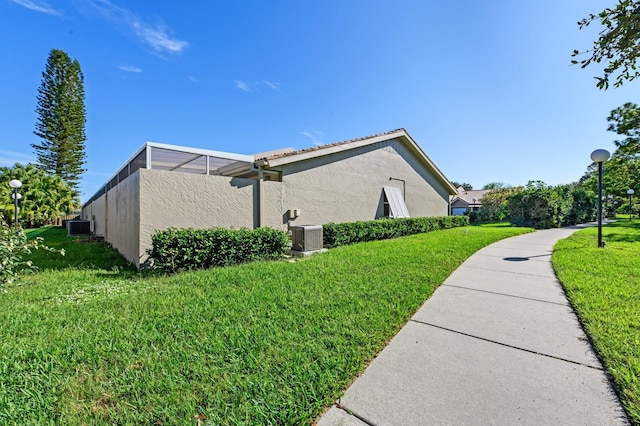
{"type": "Point", "coordinates": [288, 152]}
{"type": "Point", "coordinates": [289, 156]}
{"type": "Point", "coordinates": [470, 197]}
{"type": "Point", "coordinates": [204, 161]}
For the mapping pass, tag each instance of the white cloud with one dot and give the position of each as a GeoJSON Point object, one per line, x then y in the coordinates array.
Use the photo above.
{"type": "Point", "coordinates": [9, 158]}
{"type": "Point", "coordinates": [192, 79]}
{"type": "Point", "coordinates": [42, 7]}
{"type": "Point", "coordinates": [315, 136]}
{"type": "Point", "coordinates": [157, 36]}
{"type": "Point", "coordinates": [247, 87]}
{"type": "Point", "coordinates": [274, 86]}
{"type": "Point", "coordinates": [130, 68]}
{"type": "Point", "coordinates": [243, 85]}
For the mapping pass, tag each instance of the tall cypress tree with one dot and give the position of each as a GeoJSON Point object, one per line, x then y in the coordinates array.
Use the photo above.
{"type": "Point", "coordinates": [61, 119]}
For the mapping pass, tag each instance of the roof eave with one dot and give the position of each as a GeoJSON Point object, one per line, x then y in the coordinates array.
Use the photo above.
{"type": "Point", "coordinates": [431, 165]}
{"type": "Point", "coordinates": [396, 134]}
{"type": "Point", "coordinates": [307, 155]}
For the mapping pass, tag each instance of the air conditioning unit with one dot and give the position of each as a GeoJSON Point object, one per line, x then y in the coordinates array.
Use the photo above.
{"type": "Point", "coordinates": [78, 227]}
{"type": "Point", "coordinates": [306, 238]}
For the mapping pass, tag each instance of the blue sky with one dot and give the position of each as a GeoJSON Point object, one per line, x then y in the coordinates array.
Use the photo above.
{"type": "Point", "coordinates": [484, 86]}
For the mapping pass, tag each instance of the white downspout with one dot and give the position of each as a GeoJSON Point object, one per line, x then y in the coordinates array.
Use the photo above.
{"type": "Point", "coordinates": [260, 197]}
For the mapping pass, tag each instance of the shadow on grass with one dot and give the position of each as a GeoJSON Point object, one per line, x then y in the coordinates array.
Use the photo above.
{"type": "Point", "coordinates": [622, 238]}
{"type": "Point", "coordinates": [629, 231]}
{"type": "Point", "coordinates": [81, 252]}
{"type": "Point", "coordinates": [494, 224]}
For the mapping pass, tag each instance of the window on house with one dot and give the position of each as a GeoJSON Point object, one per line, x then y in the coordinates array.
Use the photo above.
{"type": "Point", "coordinates": [394, 205]}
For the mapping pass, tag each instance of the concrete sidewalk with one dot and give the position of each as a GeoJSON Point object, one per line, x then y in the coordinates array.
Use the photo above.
{"type": "Point", "coordinates": [497, 344]}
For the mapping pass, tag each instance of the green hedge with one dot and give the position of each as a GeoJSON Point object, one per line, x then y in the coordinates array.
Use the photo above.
{"type": "Point", "coordinates": [175, 249]}
{"type": "Point", "coordinates": [542, 206]}
{"type": "Point", "coordinates": [338, 234]}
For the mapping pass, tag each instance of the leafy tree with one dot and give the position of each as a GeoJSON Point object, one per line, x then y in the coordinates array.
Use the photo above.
{"type": "Point", "coordinates": [466, 186]}
{"type": "Point", "coordinates": [581, 204]}
{"type": "Point", "coordinates": [494, 204]}
{"type": "Point", "coordinates": [621, 173]}
{"type": "Point", "coordinates": [45, 197]}
{"type": "Point", "coordinates": [496, 185]}
{"type": "Point", "coordinates": [625, 121]}
{"type": "Point", "coordinates": [61, 119]}
{"type": "Point", "coordinates": [618, 44]}
{"type": "Point", "coordinates": [540, 206]}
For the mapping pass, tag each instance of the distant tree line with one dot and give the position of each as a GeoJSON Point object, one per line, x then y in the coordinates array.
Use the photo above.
{"type": "Point", "coordinates": [490, 185]}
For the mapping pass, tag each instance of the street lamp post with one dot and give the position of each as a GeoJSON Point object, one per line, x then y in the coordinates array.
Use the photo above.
{"type": "Point", "coordinates": [630, 194]}
{"type": "Point", "coordinates": [15, 184]}
{"type": "Point", "coordinates": [599, 156]}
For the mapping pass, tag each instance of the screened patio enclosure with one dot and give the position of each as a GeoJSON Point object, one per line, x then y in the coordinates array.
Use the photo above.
{"type": "Point", "coordinates": [174, 158]}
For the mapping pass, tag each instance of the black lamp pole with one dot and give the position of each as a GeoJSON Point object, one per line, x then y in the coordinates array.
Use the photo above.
{"type": "Point", "coordinates": [600, 204]}
{"type": "Point", "coordinates": [15, 184]}
{"type": "Point", "coordinates": [15, 198]}
{"type": "Point", "coordinates": [599, 156]}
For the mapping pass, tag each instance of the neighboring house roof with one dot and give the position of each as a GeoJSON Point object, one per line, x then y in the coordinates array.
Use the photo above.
{"type": "Point", "coordinates": [473, 198]}
{"type": "Point", "coordinates": [288, 156]}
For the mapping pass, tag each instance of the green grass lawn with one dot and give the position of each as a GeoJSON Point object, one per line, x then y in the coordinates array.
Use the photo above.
{"type": "Point", "coordinates": [603, 286]}
{"type": "Point", "coordinates": [91, 341]}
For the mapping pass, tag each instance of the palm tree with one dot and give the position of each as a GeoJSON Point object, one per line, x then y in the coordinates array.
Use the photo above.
{"type": "Point", "coordinates": [45, 197]}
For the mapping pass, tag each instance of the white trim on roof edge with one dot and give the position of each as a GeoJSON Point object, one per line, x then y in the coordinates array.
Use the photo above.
{"type": "Point", "coordinates": [209, 152]}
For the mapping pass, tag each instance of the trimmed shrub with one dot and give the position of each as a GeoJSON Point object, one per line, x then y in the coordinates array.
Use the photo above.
{"type": "Point", "coordinates": [338, 234]}
{"type": "Point", "coordinates": [536, 206]}
{"type": "Point", "coordinates": [584, 205]}
{"type": "Point", "coordinates": [494, 204]}
{"type": "Point", "coordinates": [541, 206]}
{"type": "Point", "coordinates": [177, 249]}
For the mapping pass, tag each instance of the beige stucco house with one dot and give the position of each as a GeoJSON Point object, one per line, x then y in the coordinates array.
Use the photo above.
{"type": "Point", "coordinates": [164, 186]}
{"type": "Point", "coordinates": [465, 202]}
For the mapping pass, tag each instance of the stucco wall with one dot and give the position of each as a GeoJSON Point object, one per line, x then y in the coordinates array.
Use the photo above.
{"type": "Point", "coordinates": [123, 217]}
{"type": "Point", "coordinates": [347, 186]}
{"type": "Point", "coordinates": [183, 200]}
{"type": "Point", "coordinates": [96, 211]}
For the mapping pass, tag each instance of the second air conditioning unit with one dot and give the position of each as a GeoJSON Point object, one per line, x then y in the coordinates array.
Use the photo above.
{"type": "Point", "coordinates": [78, 227]}
{"type": "Point", "coordinates": [306, 238]}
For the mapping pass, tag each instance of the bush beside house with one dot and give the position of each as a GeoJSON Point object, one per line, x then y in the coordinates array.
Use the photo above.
{"type": "Point", "coordinates": [338, 234]}
{"type": "Point", "coordinates": [177, 249]}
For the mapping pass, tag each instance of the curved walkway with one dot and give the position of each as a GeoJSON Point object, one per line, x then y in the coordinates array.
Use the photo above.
{"type": "Point", "coordinates": [497, 344]}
